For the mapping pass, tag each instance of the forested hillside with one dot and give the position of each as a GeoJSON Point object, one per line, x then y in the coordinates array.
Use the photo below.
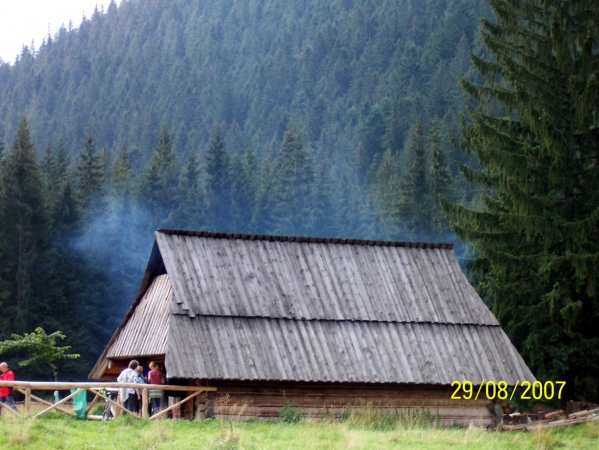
{"type": "Point", "coordinates": [322, 118]}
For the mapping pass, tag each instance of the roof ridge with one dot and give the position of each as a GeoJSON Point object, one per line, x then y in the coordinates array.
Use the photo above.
{"type": "Point", "coordinates": [303, 319]}
{"type": "Point", "coordinates": [310, 240]}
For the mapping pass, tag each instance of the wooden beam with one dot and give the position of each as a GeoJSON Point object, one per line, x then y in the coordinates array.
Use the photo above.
{"type": "Point", "coordinates": [578, 414]}
{"type": "Point", "coordinates": [145, 413]}
{"type": "Point", "coordinates": [47, 385]}
{"type": "Point", "coordinates": [27, 402]}
{"type": "Point", "coordinates": [92, 404]}
{"type": "Point", "coordinates": [44, 402]}
{"type": "Point", "coordinates": [50, 408]}
{"type": "Point", "coordinates": [117, 405]}
{"type": "Point", "coordinates": [8, 408]}
{"type": "Point", "coordinates": [164, 411]}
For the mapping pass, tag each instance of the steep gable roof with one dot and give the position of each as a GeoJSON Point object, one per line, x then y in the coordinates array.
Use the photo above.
{"type": "Point", "coordinates": [244, 277]}
{"type": "Point", "coordinates": [272, 308]}
{"type": "Point", "coordinates": [303, 309]}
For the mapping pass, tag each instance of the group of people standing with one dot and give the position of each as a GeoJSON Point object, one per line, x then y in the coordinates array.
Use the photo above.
{"type": "Point", "coordinates": [134, 374]}
{"type": "Point", "coordinates": [130, 397]}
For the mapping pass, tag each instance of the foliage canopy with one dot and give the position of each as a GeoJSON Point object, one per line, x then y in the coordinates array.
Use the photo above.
{"type": "Point", "coordinates": [41, 347]}
{"type": "Point", "coordinates": [535, 131]}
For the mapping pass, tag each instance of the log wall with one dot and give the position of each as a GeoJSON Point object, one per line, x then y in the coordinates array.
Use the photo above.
{"type": "Point", "coordinates": [235, 400]}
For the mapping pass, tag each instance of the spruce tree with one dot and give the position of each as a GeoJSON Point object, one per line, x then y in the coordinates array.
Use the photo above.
{"type": "Point", "coordinates": [244, 189]}
{"type": "Point", "coordinates": [65, 212]}
{"type": "Point", "coordinates": [190, 199]}
{"type": "Point", "coordinates": [262, 215]}
{"type": "Point", "coordinates": [62, 159]}
{"type": "Point", "coordinates": [414, 207]}
{"type": "Point", "coordinates": [323, 218]}
{"type": "Point", "coordinates": [47, 167]}
{"type": "Point", "coordinates": [535, 131]}
{"type": "Point", "coordinates": [90, 171]}
{"type": "Point", "coordinates": [122, 174]}
{"type": "Point", "coordinates": [440, 180]}
{"type": "Point", "coordinates": [160, 179]}
{"type": "Point", "coordinates": [218, 183]}
{"type": "Point", "coordinates": [385, 188]}
{"type": "Point", "coordinates": [25, 235]}
{"type": "Point", "coordinates": [293, 178]}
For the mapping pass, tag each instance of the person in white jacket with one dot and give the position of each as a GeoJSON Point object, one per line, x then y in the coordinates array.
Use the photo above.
{"type": "Point", "coordinates": [129, 396]}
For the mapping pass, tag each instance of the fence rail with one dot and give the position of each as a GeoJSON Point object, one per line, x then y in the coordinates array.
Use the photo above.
{"type": "Point", "coordinates": [96, 388]}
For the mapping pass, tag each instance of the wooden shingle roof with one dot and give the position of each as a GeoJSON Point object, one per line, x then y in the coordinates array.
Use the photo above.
{"type": "Point", "coordinates": [230, 348]}
{"type": "Point", "coordinates": [301, 309]}
{"type": "Point", "coordinates": [318, 281]}
{"type": "Point", "coordinates": [275, 308]}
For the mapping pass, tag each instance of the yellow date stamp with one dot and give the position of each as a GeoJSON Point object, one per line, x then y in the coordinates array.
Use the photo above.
{"type": "Point", "coordinates": [466, 390]}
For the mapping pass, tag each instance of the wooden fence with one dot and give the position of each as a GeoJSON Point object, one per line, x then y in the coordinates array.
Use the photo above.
{"type": "Point", "coordinates": [96, 388]}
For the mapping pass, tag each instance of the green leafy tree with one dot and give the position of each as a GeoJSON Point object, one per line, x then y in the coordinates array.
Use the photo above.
{"type": "Point", "coordinates": [41, 347]}
{"type": "Point", "coordinates": [535, 131]}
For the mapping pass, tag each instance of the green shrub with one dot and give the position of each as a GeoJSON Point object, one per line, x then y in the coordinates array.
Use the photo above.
{"type": "Point", "coordinates": [289, 414]}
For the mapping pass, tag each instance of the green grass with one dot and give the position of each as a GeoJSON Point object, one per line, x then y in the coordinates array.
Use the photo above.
{"type": "Point", "coordinates": [60, 432]}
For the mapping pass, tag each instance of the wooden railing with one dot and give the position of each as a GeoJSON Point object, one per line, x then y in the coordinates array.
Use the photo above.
{"type": "Point", "coordinates": [96, 388]}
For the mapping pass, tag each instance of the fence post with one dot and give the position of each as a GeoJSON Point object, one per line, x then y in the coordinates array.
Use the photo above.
{"type": "Point", "coordinates": [144, 403]}
{"type": "Point", "coordinates": [27, 402]}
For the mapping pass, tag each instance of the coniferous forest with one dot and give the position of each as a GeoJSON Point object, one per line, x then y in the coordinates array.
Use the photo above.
{"type": "Point", "coordinates": [338, 118]}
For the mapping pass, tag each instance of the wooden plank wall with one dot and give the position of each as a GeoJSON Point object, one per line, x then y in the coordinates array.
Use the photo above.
{"type": "Point", "coordinates": [262, 400]}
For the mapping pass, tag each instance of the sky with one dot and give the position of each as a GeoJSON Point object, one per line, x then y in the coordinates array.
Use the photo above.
{"type": "Point", "coordinates": [24, 20]}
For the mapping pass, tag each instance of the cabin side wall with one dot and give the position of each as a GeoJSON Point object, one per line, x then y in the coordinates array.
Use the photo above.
{"type": "Point", "coordinates": [236, 400]}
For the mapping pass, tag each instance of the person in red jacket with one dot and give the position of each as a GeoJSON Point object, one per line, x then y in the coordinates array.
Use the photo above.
{"type": "Point", "coordinates": [5, 391]}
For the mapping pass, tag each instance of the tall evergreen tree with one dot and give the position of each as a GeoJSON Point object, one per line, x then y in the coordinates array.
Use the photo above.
{"type": "Point", "coordinates": [440, 180]}
{"type": "Point", "coordinates": [323, 218]}
{"type": "Point", "coordinates": [160, 179]}
{"type": "Point", "coordinates": [414, 205]}
{"type": "Point", "coordinates": [294, 176]}
{"type": "Point", "coordinates": [24, 238]}
{"type": "Point", "coordinates": [535, 132]}
{"type": "Point", "coordinates": [190, 199]}
{"type": "Point", "coordinates": [47, 167]}
{"type": "Point", "coordinates": [384, 197]}
{"type": "Point", "coordinates": [122, 174]}
{"type": "Point", "coordinates": [62, 159]}
{"type": "Point", "coordinates": [218, 183]}
{"type": "Point", "coordinates": [90, 170]}
{"type": "Point", "coordinates": [262, 214]}
{"type": "Point", "coordinates": [244, 189]}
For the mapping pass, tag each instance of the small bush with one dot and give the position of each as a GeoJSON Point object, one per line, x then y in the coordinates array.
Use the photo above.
{"type": "Point", "coordinates": [289, 414]}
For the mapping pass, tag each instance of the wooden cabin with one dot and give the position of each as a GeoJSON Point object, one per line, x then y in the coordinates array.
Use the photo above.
{"type": "Point", "coordinates": [318, 324]}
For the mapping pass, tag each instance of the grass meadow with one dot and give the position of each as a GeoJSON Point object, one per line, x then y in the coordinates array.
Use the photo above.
{"type": "Point", "coordinates": [55, 431]}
